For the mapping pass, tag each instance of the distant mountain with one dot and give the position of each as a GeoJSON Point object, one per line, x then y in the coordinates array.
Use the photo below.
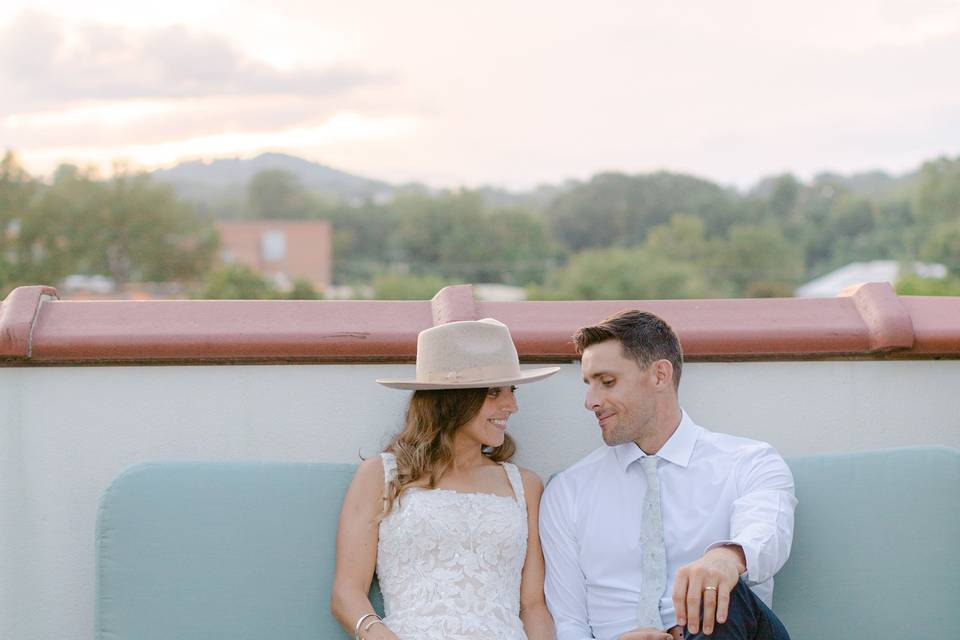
{"type": "Point", "coordinates": [219, 187]}
{"type": "Point", "coordinates": [206, 182]}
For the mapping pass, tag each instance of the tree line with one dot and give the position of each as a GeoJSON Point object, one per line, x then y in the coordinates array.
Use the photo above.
{"type": "Point", "coordinates": [647, 236]}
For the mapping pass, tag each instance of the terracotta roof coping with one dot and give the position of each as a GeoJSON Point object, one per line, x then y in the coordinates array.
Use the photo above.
{"type": "Point", "coordinates": [868, 322]}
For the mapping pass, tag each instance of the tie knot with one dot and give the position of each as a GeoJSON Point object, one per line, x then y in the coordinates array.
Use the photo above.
{"type": "Point", "coordinates": [649, 464]}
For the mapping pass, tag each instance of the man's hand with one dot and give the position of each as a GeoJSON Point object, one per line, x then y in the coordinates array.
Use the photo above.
{"type": "Point", "coordinates": [646, 633]}
{"type": "Point", "coordinates": [707, 581]}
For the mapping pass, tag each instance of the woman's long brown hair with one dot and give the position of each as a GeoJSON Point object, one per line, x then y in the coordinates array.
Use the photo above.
{"type": "Point", "coordinates": [424, 448]}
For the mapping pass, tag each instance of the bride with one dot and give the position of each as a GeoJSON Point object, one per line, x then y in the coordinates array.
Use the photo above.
{"type": "Point", "coordinates": [449, 524]}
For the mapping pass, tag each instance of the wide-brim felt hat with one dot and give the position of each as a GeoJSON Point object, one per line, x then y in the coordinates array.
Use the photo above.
{"type": "Point", "coordinates": [468, 355]}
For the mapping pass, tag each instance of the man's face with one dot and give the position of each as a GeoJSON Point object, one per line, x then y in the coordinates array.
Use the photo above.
{"type": "Point", "coordinates": [619, 392]}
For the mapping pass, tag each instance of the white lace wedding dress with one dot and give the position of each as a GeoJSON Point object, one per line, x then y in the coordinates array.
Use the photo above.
{"type": "Point", "coordinates": [449, 563]}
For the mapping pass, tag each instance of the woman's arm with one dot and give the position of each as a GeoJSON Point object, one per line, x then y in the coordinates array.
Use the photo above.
{"type": "Point", "coordinates": [357, 538]}
{"type": "Point", "coordinates": [537, 621]}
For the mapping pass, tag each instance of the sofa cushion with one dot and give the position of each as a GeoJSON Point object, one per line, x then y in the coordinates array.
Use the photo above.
{"type": "Point", "coordinates": [219, 550]}
{"type": "Point", "coordinates": [875, 551]}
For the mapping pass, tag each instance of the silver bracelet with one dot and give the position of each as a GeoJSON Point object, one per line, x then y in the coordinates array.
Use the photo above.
{"type": "Point", "coordinates": [370, 624]}
{"type": "Point", "coordinates": [356, 631]}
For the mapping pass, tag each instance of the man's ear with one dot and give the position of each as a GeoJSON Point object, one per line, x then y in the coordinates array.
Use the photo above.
{"type": "Point", "coordinates": [663, 369]}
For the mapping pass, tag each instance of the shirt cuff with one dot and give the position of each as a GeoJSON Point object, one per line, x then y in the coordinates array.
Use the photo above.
{"type": "Point", "coordinates": [750, 562]}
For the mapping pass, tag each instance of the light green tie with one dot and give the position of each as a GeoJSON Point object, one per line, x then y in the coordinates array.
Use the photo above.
{"type": "Point", "coordinates": [651, 545]}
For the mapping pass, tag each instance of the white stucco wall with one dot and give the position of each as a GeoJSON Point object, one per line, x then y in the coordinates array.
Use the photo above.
{"type": "Point", "coordinates": [66, 432]}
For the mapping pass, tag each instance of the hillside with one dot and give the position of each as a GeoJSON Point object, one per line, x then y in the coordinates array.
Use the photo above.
{"type": "Point", "coordinates": [207, 182]}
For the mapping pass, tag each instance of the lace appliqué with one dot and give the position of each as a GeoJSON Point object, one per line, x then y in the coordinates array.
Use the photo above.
{"type": "Point", "coordinates": [449, 563]}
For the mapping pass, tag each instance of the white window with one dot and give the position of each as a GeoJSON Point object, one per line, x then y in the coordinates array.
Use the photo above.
{"type": "Point", "coordinates": [273, 246]}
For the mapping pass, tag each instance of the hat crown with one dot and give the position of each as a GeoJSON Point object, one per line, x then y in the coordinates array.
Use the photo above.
{"type": "Point", "coordinates": [465, 352]}
{"type": "Point", "coordinates": [469, 354]}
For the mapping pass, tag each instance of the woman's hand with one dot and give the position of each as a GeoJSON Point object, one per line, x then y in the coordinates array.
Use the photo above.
{"type": "Point", "coordinates": [379, 631]}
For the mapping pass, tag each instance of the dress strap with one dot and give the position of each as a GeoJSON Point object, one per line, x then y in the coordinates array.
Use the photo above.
{"type": "Point", "coordinates": [516, 481]}
{"type": "Point", "coordinates": [389, 470]}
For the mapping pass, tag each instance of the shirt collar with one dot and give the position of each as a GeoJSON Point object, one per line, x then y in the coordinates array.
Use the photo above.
{"type": "Point", "coordinates": [677, 449]}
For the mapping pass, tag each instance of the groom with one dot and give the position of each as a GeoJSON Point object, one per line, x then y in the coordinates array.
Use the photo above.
{"type": "Point", "coordinates": [670, 530]}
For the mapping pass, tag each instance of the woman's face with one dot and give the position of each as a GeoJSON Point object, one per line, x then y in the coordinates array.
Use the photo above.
{"type": "Point", "coordinates": [489, 425]}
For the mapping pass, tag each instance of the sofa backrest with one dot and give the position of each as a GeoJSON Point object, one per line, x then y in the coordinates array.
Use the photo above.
{"type": "Point", "coordinates": [237, 550]}
{"type": "Point", "coordinates": [875, 552]}
{"type": "Point", "coordinates": [246, 550]}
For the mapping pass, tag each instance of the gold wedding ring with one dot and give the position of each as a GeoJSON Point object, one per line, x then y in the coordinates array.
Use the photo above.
{"type": "Point", "coordinates": [709, 588]}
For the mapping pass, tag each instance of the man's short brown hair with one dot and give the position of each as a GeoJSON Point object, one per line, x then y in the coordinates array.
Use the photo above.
{"type": "Point", "coordinates": [645, 337]}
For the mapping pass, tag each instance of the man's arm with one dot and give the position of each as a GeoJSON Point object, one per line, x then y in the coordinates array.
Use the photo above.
{"type": "Point", "coordinates": [564, 585]}
{"type": "Point", "coordinates": [761, 528]}
{"type": "Point", "coordinates": [761, 521]}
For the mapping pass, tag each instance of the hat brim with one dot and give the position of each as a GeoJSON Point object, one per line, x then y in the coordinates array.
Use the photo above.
{"type": "Point", "coordinates": [527, 375]}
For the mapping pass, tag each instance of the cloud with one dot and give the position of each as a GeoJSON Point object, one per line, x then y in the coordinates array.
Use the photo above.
{"type": "Point", "coordinates": [343, 130]}
{"type": "Point", "coordinates": [45, 62]}
{"type": "Point", "coordinates": [150, 121]}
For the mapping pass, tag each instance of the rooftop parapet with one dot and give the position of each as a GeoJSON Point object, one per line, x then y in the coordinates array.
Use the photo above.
{"type": "Point", "coordinates": [868, 322]}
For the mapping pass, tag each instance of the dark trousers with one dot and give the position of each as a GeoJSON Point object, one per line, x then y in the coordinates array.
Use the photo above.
{"type": "Point", "coordinates": [747, 619]}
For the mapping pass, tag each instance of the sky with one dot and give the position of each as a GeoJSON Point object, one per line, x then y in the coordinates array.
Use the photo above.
{"type": "Point", "coordinates": [507, 93]}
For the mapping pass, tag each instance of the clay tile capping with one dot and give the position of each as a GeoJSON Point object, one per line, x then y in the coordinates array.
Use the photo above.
{"type": "Point", "coordinates": [454, 303]}
{"type": "Point", "coordinates": [228, 331]}
{"type": "Point", "coordinates": [868, 322]}
{"type": "Point", "coordinates": [18, 314]}
{"type": "Point", "coordinates": [936, 325]}
{"type": "Point", "coordinates": [728, 329]}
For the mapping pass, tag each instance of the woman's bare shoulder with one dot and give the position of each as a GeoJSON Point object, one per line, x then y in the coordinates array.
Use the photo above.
{"type": "Point", "coordinates": [531, 481]}
{"type": "Point", "coordinates": [370, 473]}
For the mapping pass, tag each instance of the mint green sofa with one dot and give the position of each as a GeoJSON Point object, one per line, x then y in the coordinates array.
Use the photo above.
{"type": "Point", "coordinates": [244, 551]}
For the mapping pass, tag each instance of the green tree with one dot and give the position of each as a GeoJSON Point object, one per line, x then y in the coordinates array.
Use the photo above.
{"type": "Point", "coordinates": [141, 232]}
{"type": "Point", "coordinates": [430, 226]}
{"type": "Point", "coordinates": [785, 196]}
{"type": "Point", "coordinates": [303, 290]}
{"type": "Point", "coordinates": [129, 228]}
{"type": "Point", "coordinates": [849, 231]}
{"type": "Point", "coordinates": [525, 249]}
{"type": "Point", "coordinates": [758, 260]}
{"type": "Point", "coordinates": [275, 193]}
{"type": "Point", "coordinates": [237, 282]}
{"type": "Point", "coordinates": [937, 192]}
{"type": "Point", "coordinates": [617, 209]}
{"type": "Point", "coordinates": [808, 226]}
{"type": "Point", "coordinates": [394, 286]}
{"type": "Point", "coordinates": [917, 286]}
{"type": "Point", "coordinates": [17, 189]}
{"type": "Point", "coordinates": [618, 273]}
{"type": "Point", "coordinates": [50, 245]}
{"type": "Point", "coordinates": [454, 236]}
{"type": "Point", "coordinates": [943, 245]}
{"type": "Point", "coordinates": [896, 235]}
{"type": "Point", "coordinates": [364, 240]}
{"type": "Point", "coordinates": [683, 239]}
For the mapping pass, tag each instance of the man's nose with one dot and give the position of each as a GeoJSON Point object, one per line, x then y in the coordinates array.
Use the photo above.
{"type": "Point", "coordinates": [592, 401]}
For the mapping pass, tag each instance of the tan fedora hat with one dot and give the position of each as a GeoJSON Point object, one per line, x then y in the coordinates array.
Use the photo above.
{"type": "Point", "coordinates": [468, 355]}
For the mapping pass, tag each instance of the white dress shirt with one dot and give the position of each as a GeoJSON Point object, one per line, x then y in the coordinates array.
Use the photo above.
{"type": "Point", "coordinates": [715, 489]}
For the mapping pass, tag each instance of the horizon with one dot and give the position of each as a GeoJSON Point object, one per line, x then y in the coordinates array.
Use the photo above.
{"type": "Point", "coordinates": [742, 188]}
